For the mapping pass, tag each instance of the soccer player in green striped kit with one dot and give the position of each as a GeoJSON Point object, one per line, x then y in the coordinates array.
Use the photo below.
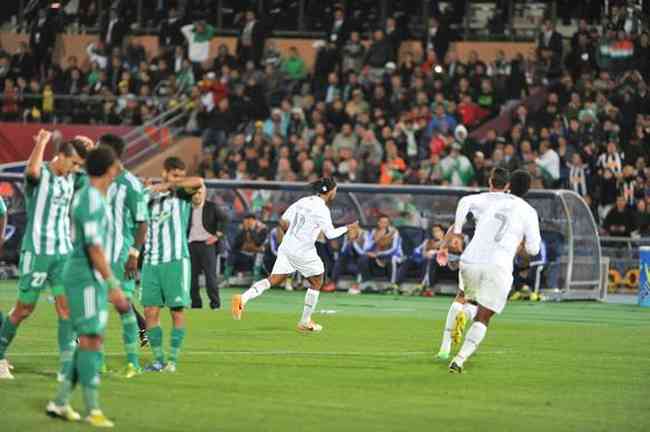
{"type": "Point", "coordinates": [49, 188]}
{"type": "Point", "coordinates": [129, 212]}
{"type": "Point", "coordinates": [89, 285]}
{"type": "Point", "coordinates": [166, 270]}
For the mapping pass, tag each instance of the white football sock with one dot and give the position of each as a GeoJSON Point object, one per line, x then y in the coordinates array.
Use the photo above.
{"type": "Point", "coordinates": [470, 310]}
{"type": "Point", "coordinates": [473, 339]}
{"type": "Point", "coordinates": [311, 299]}
{"type": "Point", "coordinates": [256, 290]}
{"type": "Point", "coordinates": [454, 310]}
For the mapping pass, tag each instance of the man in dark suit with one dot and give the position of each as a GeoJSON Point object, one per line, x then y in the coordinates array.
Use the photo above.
{"type": "Point", "coordinates": [340, 29]}
{"type": "Point", "coordinates": [550, 39]}
{"type": "Point", "coordinates": [437, 38]}
{"type": "Point", "coordinates": [114, 30]}
{"type": "Point", "coordinates": [207, 224]}
{"type": "Point", "coordinates": [170, 30]}
{"type": "Point", "coordinates": [251, 40]}
{"type": "Point", "coordinates": [42, 39]}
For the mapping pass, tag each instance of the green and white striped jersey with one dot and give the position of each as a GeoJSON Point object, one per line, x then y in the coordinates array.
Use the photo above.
{"type": "Point", "coordinates": [3, 207]}
{"type": "Point", "coordinates": [92, 223]}
{"type": "Point", "coordinates": [48, 201]}
{"type": "Point", "coordinates": [128, 208]}
{"type": "Point", "coordinates": [169, 215]}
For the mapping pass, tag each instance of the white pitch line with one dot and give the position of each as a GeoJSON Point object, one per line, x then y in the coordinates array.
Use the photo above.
{"type": "Point", "coordinates": [269, 353]}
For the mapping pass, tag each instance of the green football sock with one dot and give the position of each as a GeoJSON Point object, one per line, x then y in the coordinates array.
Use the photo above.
{"type": "Point", "coordinates": [178, 334]}
{"type": "Point", "coordinates": [130, 337]}
{"type": "Point", "coordinates": [155, 342]}
{"type": "Point", "coordinates": [7, 333]}
{"type": "Point", "coordinates": [68, 384]}
{"type": "Point", "coordinates": [66, 345]}
{"type": "Point", "coordinates": [87, 368]}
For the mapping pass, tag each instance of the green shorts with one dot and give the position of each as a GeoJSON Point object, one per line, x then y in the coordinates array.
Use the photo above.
{"type": "Point", "coordinates": [166, 284]}
{"type": "Point", "coordinates": [128, 285]}
{"type": "Point", "coordinates": [37, 272]}
{"type": "Point", "coordinates": [88, 302]}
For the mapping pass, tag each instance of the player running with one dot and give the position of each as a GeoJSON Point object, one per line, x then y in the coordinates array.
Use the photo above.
{"type": "Point", "coordinates": [128, 208]}
{"type": "Point", "coordinates": [302, 223]}
{"type": "Point", "coordinates": [461, 311]}
{"type": "Point", "coordinates": [89, 284]}
{"type": "Point", "coordinates": [503, 222]}
{"type": "Point", "coordinates": [49, 188]}
{"type": "Point", "coordinates": [166, 270]}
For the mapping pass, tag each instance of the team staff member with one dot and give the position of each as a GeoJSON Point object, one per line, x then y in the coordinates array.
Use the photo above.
{"type": "Point", "coordinates": [207, 225]}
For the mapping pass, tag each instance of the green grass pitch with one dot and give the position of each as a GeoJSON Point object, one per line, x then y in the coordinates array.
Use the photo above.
{"type": "Point", "coordinates": [542, 367]}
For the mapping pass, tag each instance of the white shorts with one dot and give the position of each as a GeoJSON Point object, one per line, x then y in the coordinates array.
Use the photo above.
{"type": "Point", "coordinates": [308, 265]}
{"type": "Point", "coordinates": [486, 284]}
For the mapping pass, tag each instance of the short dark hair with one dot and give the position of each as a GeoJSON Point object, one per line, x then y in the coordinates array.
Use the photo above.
{"type": "Point", "coordinates": [520, 183]}
{"type": "Point", "coordinates": [323, 185]}
{"type": "Point", "coordinates": [173, 163]}
{"type": "Point", "coordinates": [68, 148]}
{"type": "Point", "coordinates": [499, 178]}
{"type": "Point", "coordinates": [99, 160]}
{"type": "Point", "coordinates": [113, 141]}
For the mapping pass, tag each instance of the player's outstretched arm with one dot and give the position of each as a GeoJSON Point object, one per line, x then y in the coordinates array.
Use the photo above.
{"type": "Point", "coordinates": [187, 183]}
{"type": "Point", "coordinates": [35, 161]}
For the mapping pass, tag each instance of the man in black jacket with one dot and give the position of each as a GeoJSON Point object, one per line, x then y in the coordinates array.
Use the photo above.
{"type": "Point", "coordinates": [207, 224]}
{"type": "Point", "coordinates": [114, 30]}
{"type": "Point", "coordinates": [437, 38]}
{"type": "Point", "coordinates": [251, 40]}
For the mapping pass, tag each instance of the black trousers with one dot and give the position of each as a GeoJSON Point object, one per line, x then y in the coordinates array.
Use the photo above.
{"type": "Point", "coordinates": [204, 260]}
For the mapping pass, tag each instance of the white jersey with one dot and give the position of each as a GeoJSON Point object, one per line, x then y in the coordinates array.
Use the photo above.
{"type": "Point", "coordinates": [307, 217]}
{"type": "Point", "coordinates": [502, 222]}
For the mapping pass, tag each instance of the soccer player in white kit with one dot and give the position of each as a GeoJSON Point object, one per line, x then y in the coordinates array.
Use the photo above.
{"type": "Point", "coordinates": [302, 222]}
{"type": "Point", "coordinates": [462, 310]}
{"type": "Point", "coordinates": [503, 222]}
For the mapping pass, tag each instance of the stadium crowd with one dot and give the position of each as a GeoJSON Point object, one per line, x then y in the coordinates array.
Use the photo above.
{"type": "Point", "coordinates": [368, 112]}
{"type": "Point", "coordinates": [365, 113]}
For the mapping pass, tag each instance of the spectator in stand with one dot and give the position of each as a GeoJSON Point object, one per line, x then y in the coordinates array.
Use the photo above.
{"type": "Point", "coordinates": [114, 30]}
{"type": "Point", "coordinates": [294, 67]}
{"type": "Point", "coordinates": [437, 38]}
{"type": "Point", "coordinates": [339, 31]}
{"type": "Point", "coordinates": [456, 169]}
{"type": "Point", "coordinates": [198, 36]}
{"type": "Point", "coordinates": [171, 34]}
{"type": "Point", "coordinates": [353, 52]}
{"type": "Point", "coordinates": [377, 56]}
{"type": "Point", "coordinates": [549, 39]}
{"type": "Point", "coordinates": [42, 39]}
{"type": "Point", "coordinates": [620, 220]}
{"type": "Point", "coordinates": [251, 40]}
{"type": "Point", "coordinates": [394, 38]}
{"type": "Point", "coordinates": [549, 163]}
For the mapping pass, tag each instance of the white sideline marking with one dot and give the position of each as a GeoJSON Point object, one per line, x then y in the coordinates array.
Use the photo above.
{"type": "Point", "coordinates": [268, 353]}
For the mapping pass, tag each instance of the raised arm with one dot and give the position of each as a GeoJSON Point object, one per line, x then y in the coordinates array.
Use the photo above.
{"type": "Point", "coordinates": [35, 161]}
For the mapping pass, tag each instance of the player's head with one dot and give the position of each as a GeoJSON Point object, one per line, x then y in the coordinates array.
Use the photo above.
{"type": "Point", "coordinates": [325, 188]}
{"type": "Point", "coordinates": [173, 167]}
{"type": "Point", "coordinates": [383, 222]}
{"type": "Point", "coordinates": [499, 180]}
{"type": "Point", "coordinates": [520, 183]}
{"type": "Point", "coordinates": [101, 162]}
{"type": "Point", "coordinates": [71, 156]}
{"type": "Point", "coordinates": [113, 141]}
